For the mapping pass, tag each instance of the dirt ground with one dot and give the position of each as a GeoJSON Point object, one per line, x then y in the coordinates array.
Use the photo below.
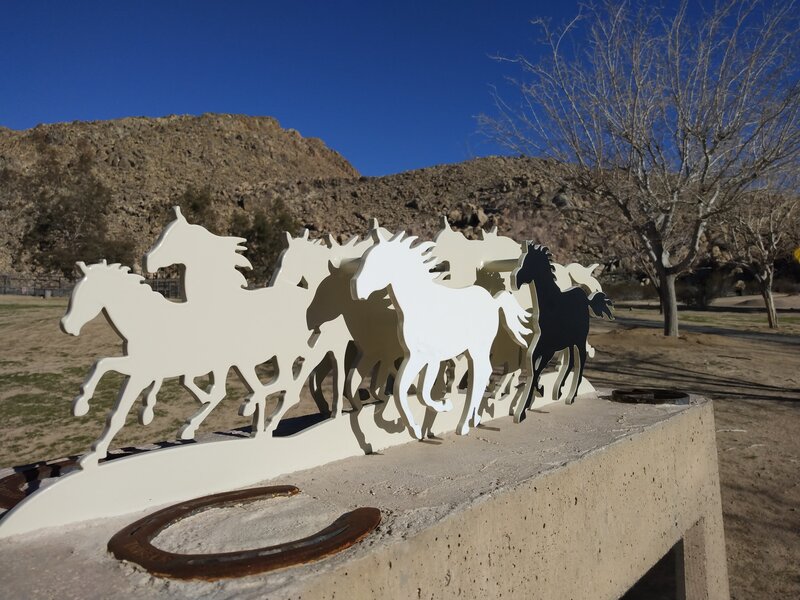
{"type": "Point", "coordinates": [753, 375]}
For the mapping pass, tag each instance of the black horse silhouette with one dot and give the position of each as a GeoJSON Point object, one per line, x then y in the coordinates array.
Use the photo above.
{"type": "Point", "coordinates": [563, 319]}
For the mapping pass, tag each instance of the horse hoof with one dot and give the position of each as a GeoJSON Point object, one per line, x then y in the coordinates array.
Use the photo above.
{"type": "Point", "coordinates": [80, 406]}
{"type": "Point", "coordinates": [463, 430]}
{"type": "Point", "coordinates": [416, 431]}
{"type": "Point", "coordinates": [520, 417]}
{"type": "Point", "coordinates": [88, 461]}
{"type": "Point", "coordinates": [186, 432]}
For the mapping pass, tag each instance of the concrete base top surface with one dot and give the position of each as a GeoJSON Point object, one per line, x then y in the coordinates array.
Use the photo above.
{"type": "Point", "coordinates": [419, 487]}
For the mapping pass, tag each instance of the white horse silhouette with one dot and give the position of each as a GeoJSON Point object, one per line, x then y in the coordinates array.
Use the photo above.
{"type": "Point", "coordinates": [436, 323]}
{"type": "Point", "coordinates": [174, 339]}
{"type": "Point", "coordinates": [213, 283]}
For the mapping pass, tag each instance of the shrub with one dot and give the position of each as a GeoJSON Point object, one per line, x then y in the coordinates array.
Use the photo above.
{"type": "Point", "coordinates": [264, 234]}
{"type": "Point", "coordinates": [71, 221]}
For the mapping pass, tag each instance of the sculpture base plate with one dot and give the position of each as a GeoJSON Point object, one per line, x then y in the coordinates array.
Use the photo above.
{"type": "Point", "coordinates": [160, 477]}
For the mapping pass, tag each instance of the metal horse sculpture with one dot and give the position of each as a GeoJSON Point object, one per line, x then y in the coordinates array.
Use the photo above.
{"type": "Point", "coordinates": [437, 323]}
{"type": "Point", "coordinates": [167, 339]}
{"type": "Point", "coordinates": [563, 322]}
{"type": "Point", "coordinates": [212, 281]}
{"type": "Point", "coordinates": [372, 352]}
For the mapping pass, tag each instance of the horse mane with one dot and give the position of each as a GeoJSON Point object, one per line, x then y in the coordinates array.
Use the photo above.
{"type": "Point", "coordinates": [226, 251]}
{"type": "Point", "coordinates": [421, 251]}
{"type": "Point", "coordinates": [117, 271]}
{"type": "Point", "coordinates": [541, 253]}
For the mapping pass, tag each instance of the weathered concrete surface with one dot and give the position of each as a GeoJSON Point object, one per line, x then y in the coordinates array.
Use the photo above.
{"type": "Point", "coordinates": [576, 502]}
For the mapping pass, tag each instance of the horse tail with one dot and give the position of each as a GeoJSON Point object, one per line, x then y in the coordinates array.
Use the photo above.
{"type": "Point", "coordinates": [601, 305]}
{"type": "Point", "coordinates": [513, 316]}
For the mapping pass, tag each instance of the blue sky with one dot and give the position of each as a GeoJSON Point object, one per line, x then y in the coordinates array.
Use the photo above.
{"type": "Point", "coordinates": [391, 85]}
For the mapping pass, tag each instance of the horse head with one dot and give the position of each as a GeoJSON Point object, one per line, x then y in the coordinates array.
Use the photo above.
{"type": "Point", "coordinates": [182, 242]}
{"type": "Point", "coordinates": [303, 262]}
{"type": "Point", "coordinates": [534, 266]}
{"type": "Point", "coordinates": [91, 294]}
{"type": "Point", "coordinates": [389, 261]}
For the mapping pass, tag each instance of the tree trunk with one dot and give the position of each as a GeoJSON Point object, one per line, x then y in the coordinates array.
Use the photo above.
{"type": "Point", "coordinates": [669, 303]}
{"type": "Point", "coordinates": [769, 301]}
{"type": "Point", "coordinates": [660, 296]}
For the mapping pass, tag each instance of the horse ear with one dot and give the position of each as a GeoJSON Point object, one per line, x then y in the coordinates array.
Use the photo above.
{"type": "Point", "coordinates": [397, 236]}
{"type": "Point", "coordinates": [305, 233]}
{"type": "Point", "coordinates": [287, 238]}
{"type": "Point", "coordinates": [373, 224]}
{"type": "Point", "coordinates": [590, 269]}
{"type": "Point", "coordinates": [331, 267]}
{"type": "Point", "coordinates": [178, 214]}
{"type": "Point", "coordinates": [378, 235]}
{"type": "Point", "coordinates": [82, 266]}
{"type": "Point", "coordinates": [493, 230]}
{"type": "Point", "coordinates": [330, 241]}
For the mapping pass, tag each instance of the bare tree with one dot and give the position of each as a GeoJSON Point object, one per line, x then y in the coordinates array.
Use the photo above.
{"type": "Point", "coordinates": [668, 119]}
{"type": "Point", "coordinates": [764, 228]}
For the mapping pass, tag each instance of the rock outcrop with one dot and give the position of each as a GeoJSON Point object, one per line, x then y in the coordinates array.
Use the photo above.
{"type": "Point", "coordinates": [247, 163]}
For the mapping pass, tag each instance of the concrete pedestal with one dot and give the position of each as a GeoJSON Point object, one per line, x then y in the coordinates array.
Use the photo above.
{"type": "Point", "coordinates": [576, 502]}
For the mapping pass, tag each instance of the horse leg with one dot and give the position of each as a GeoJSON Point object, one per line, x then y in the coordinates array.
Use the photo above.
{"type": "Point", "coordinates": [315, 386]}
{"type": "Point", "coordinates": [128, 394]}
{"type": "Point", "coordinates": [291, 390]}
{"type": "Point", "coordinates": [481, 371]}
{"type": "Point", "coordinates": [513, 382]}
{"type": "Point", "coordinates": [429, 377]}
{"type": "Point", "coordinates": [339, 377]}
{"type": "Point", "coordinates": [146, 412]}
{"type": "Point", "coordinates": [441, 388]}
{"type": "Point", "coordinates": [538, 364]}
{"type": "Point", "coordinates": [254, 385]}
{"type": "Point", "coordinates": [459, 371]}
{"type": "Point", "coordinates": [514, 390]}
{"type": "Point", "coordinates": [341, 381]}
{"type": "Point", "coordinates": [579, 377]}
{"type": "Point", "coordinates": [378, 382]}
{"type": "Point", "coordinates": [508, 381]}
{"type": "Point", "coordinates": [565, 367]}
{"type": "Point", "coordinates": [354, 378]}
{"type": "Point", "coordinates": [502, 386]}
{"type": "Point", "coordinates": [539, 368]}
{"type": "Point", "coordinates": [408, 372]}
{"type": "Point", "coordinates": [209, 397]}
{"type": "Point", "coordinates": [255, 403]}
{"type": "Point", "coordinates": [80, 405]}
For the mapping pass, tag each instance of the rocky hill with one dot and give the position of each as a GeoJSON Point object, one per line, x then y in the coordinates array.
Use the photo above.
{"type": "Point", "coordinates": [240, 167]}
{"type": "Point", "coordinates": [526, 198]}
{"type": "Point", "coordinates": [145, 163]}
